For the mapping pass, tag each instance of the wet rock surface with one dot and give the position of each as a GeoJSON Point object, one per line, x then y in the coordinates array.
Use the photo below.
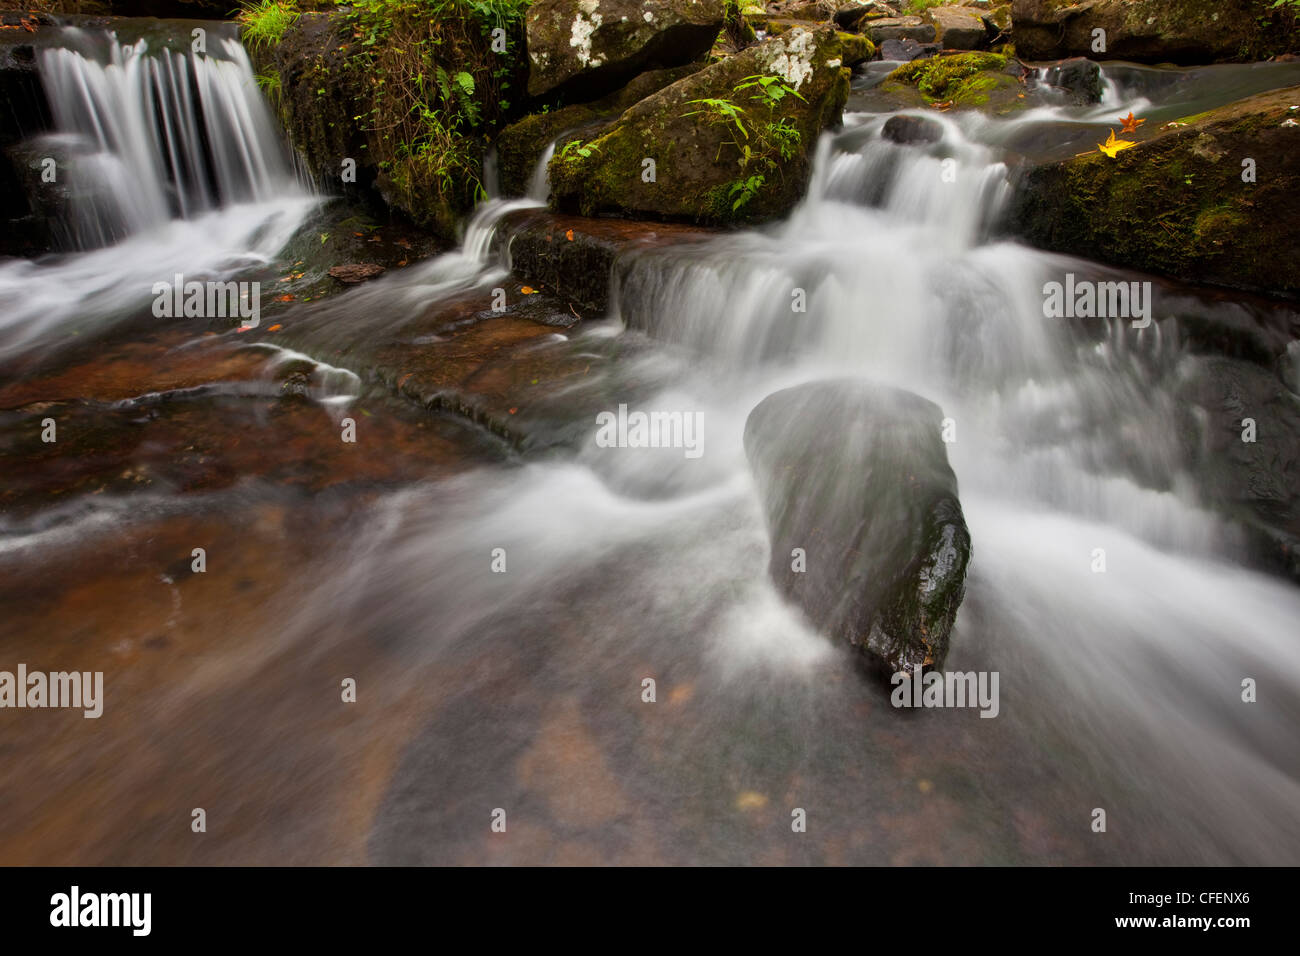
{"type": "Point", "coordinates": [587, 48]}
{"type": "Point", "coordinates": [856, 478]}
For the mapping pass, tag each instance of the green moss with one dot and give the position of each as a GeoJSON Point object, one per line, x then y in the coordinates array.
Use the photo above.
{"type": "Point", "coordinates": [949, 77]}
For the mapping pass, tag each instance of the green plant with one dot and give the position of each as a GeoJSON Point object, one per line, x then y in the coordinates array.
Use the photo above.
{"type": "Point", "coordinates": [761, 144]}
{"type": "Point", "coordinates": [266, 21]}
{"type": "Point", "coordinates": [573, 150]}
{"type": "Point", "coordinates": [439, 74]}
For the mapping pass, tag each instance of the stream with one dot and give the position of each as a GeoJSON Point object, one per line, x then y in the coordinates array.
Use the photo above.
{"type": "Point", "coordinates": [523, 690]}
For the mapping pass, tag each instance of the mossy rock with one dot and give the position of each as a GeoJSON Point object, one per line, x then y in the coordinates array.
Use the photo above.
{"type": "Point", "coordinates": [1177, 202]}
{"type": "Point", "coordinates": [985, 81]}
{"type": "Point", "coordinates": [857, 48]}
{"type": "Point", "coordinates": [520, 145]}
{"type": "Point", "coordinates": [695, 159]}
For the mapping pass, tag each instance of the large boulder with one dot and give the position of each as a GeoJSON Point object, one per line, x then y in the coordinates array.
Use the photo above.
{"type": "Point", "coordinates": [587, 48]}
{"type": "Point", "coordinates": [1150, 31]}
{"type": "Point", "coordinates": [959, 28]}
{"type": "Point", "coordinates": [854, 478]}
{"type": "Point", "coordinates": [1212, 198]}
{"type": "Point", "coordinates": [679, 153]}
{"type": "Point", "coordinates": [520, 145]}
{"type": "Point", "coordinates": [899, 28]}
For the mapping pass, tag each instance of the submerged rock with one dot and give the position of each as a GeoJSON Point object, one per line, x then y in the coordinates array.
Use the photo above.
{"type": "Point", "coordinates": [906, 129]}
{"type": "Point", "coordinates": [1150, 31]}
{"type": "Point", "coordinates": [587, 48]}
{"type": "Point", "coordinates": [677, 155]}
{"type": "Point", "coordinates": [1079, 77]}
{"type": "Point", "coordinates": [1211, 198]}
{"type": "Point", "coordinates": [858, 492]}
{"type": "Point", "coordinates": [907, 50]}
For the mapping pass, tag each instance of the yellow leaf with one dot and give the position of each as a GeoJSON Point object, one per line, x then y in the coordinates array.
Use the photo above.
{"type": "Point", "coordinates": [1113, 145]}
{"type": "Point", "coordinates": [750, 800]}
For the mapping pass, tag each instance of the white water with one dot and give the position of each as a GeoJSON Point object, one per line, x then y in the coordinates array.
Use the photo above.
{"type": "Point", "coordinates": [1123, 687]}
{"type": "Point", "coordinates": [1120, 690]}
{"type": "Point", "coordinates": [177, 167]}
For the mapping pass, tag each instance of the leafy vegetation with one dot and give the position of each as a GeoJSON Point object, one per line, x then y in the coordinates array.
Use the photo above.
{"type": "Point", "coordinates": [763, 142]}
{"type": "Point", "coordinates": [266, 21]}
{"type": "Point", "coordinates": [441, 74]}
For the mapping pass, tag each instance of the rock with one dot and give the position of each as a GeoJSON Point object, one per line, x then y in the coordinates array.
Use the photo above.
{"type": "Point", "coordinates": [856, 49]}
{"type": "Point", "coordinates": [959, 28]}
{"type": "Point", "coordinates": [817, 11]}
{"type": "Point", "coordinates": [1257, 482]}
{"type": "Point", "coordinates": [856, 15]}
{"type": "Point", "coordinates": [573, 257]}
{"type": "Point", "coordinates": [856, 475]}
{"type": "Point", "coordinates": [671, 156]}
{"type": "Point", "coordinates": [906, 129]}
{"type": "Point", "coordinates": [520, 145]}
{"type": "Point", "coordinates": [986, 81]}
{"type": "Point", "coordinates": [907, 50]}
{"type": "Point", "coordinates": [356, 272]}
{"type": "Point", "coordinates": [900, 28]}
{"type": "Point", "coordinates": [1149, 31]}
{"type": "Point", "coordinates": [1077, 76]}
{"type": "Point", "coordinates": [587, 48]}
{"type": "Point", "coordinates": [1177, 204]}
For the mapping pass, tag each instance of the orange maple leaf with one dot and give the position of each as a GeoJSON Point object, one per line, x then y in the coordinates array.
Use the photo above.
{"type": "Point", "coordinates": [1131, 123]}
{"type": "Point", "coordinates": [528, 290]}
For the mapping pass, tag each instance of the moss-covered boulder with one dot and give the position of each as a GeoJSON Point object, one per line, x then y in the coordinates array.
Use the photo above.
{"type": "Point", "coordinates": [1152, 31]}
{"type": "Point", "coordinates": [521, 145]}
{"type": "Point", "coordinates": [730, 143]}
{"type": "Point", "coordinates": [584, 49]}
{"type": "Point", "coordinates": [984, 81]}
{"type": "Point", "coordinates": [1214, 198]}
{"type": "Point", "coordinates": [866, 529]}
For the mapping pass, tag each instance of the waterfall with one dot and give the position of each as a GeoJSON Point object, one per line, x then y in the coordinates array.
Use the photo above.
{"type": "Point", "coordinates": [150, 134]}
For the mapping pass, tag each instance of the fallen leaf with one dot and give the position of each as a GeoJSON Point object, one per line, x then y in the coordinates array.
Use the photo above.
{"type": "Point", "coordinates": [284, 298]}
{"type": "Point", "coordinates": [528, 290]}
{"type": "Point", "coordinates": [750, 800]}
{"type": "Point", "coordinates": [275, 328]}
{"type": "Point", "coordinates": [1131, 123]}
{"type": "Point", "coordinates": [569, 235]}
{"type": "Point", "coordinates": [1113, 145]}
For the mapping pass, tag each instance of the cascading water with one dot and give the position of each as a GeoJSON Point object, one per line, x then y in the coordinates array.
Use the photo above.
{"type": "Point", "coordinates": [167, 162]}
{"type": "Point", "coordinates": [524, 689]}
{"type": "Point", "coordinates": [158, 134]}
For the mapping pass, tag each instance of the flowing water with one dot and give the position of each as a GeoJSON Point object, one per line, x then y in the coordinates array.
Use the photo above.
{"type": "Point", "coordinates": [523, 691]}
